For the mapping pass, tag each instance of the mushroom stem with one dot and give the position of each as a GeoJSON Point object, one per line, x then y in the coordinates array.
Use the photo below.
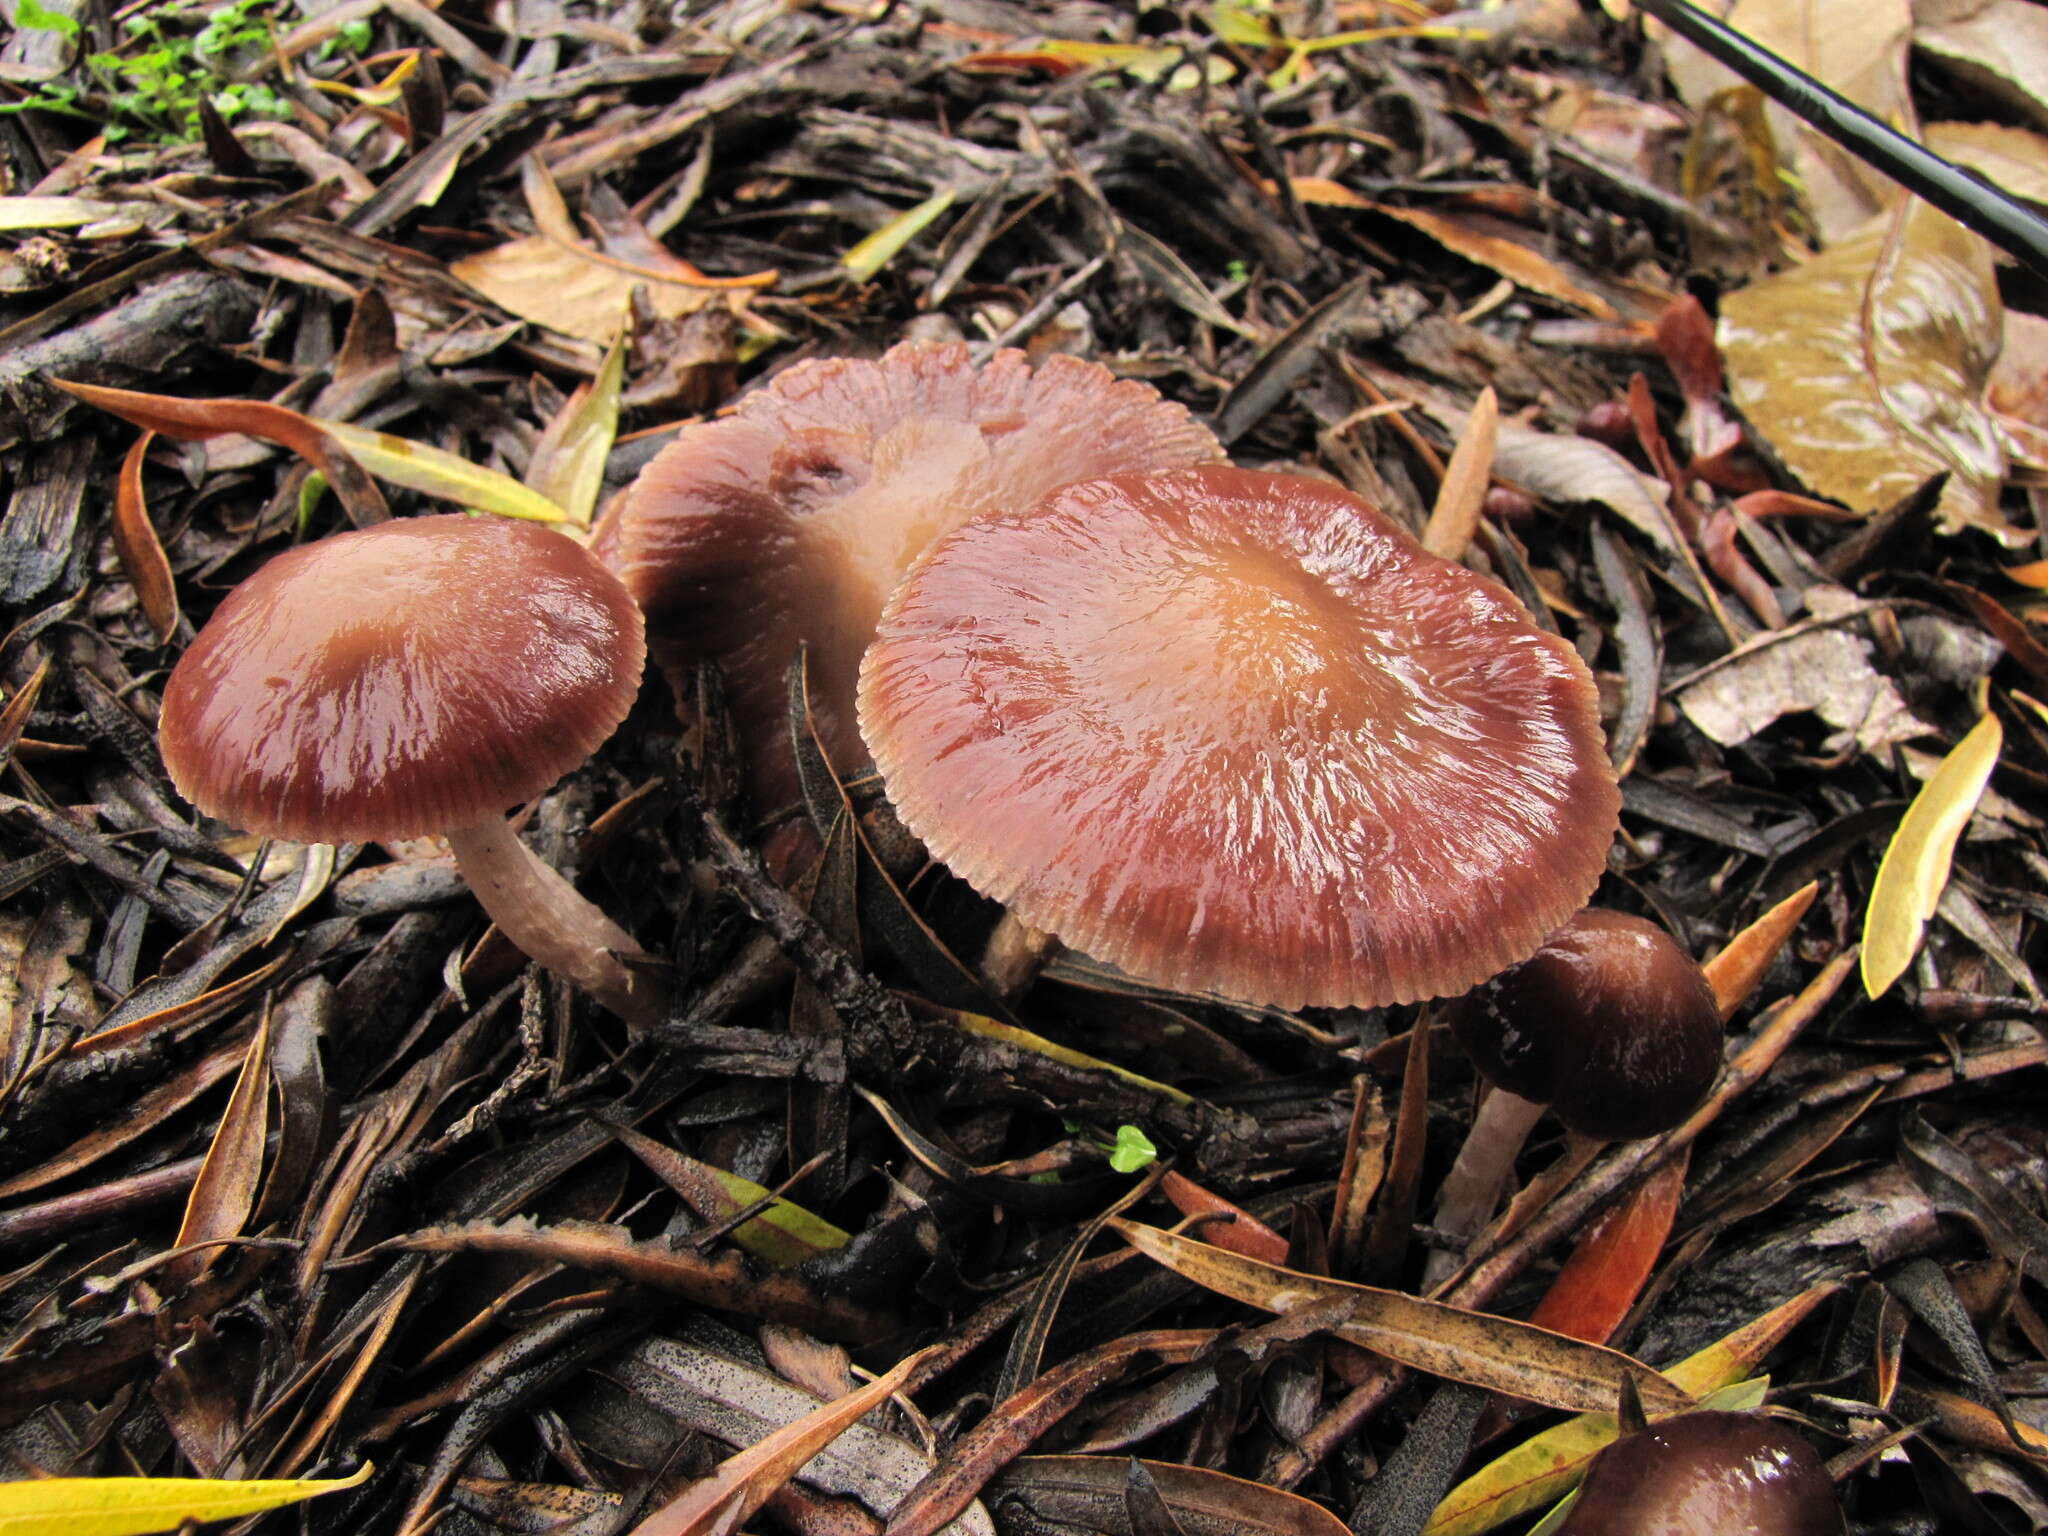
{"type": "Point", "coordinates": [540, 912]}
{"type": "Point", "coordinates": [1473, 1187]}
{"type": "Point", "coordinates": [1014, 955]}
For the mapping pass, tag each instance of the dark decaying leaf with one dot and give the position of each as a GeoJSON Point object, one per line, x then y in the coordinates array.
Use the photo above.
{"type": "Point", "coordinates": [1088, 1491]}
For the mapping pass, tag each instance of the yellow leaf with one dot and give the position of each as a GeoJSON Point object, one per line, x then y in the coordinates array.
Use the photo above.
{"type": "Point", "coordinates": [423, 467]}
{"type": "Point", "coordinates": [1545, 1466]}
{"type": "Point", "coordinates": [1915, 866]}
{"type": "Point", "coordinates": [137, 1506]}
{"type": "Point", "coordinates": [568, 462]}
{"type": "Point", "coordinates": [881, 248]}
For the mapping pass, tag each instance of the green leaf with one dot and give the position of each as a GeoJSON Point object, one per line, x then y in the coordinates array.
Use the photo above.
{"type": "Point", "coordinates": [137, 1506]}
{"type": "Point", "coordinates": [1133, 1150]}
{"type": "Point", "coordinates": [1916, 864]}
{"type": "Point", "coordinates": [423, 467]}
{"type": "Point", "coordinates": [27, 13]}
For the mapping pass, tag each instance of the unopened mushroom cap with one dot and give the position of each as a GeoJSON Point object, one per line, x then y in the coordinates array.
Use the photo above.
{"type": "Point", "coordinates": [792, 520]}
{"type": "Point", "coordinates": [403, 679]}
{"type": "Point", "coordinates": [1609, 1022]}
{"type": "Point", "coordinates": [1707, 1474]}
{"type": "Point", "coordinates": [1236, 732]}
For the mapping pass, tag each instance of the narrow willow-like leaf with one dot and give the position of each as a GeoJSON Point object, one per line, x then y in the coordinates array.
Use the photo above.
{"type": "Point", "coordinates": [885, 244]}
{"type": "Point", "coordinates": [1497, 1353]}
{"type": "Point", "coordinates": [1916, 864]}
{"type": "Point", "coordinates": [435, 472]}
{"type": "Point", "coordinates": [136, 1506]}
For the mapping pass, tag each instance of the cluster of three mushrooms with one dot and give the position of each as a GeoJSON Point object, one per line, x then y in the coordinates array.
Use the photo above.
{"type": "Point", "coordinates": [1233, 732]}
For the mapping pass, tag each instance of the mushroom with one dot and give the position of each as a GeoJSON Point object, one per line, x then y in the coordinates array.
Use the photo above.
{"type": "Point", "coordinates": [1609, 1023]}
{"type": "Point", "coordinates": [789, 522]}
{"type": "Point", "coordinates": [1707, 1474]}
{"type": "Point", "coordinates": [1236, 732]}
{"type": "Point", "coordinates": [421, 676]}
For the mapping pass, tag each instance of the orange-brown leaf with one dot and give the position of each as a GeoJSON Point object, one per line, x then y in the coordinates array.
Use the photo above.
{"type": "Point", "coordinates": [1601, 1280]}
{"type": "Point", "coordinates": [141, 553]}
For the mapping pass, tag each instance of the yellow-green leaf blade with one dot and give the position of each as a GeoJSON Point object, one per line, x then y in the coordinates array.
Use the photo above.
{"type": "Point", "coordinates": [137, 1506]}
{"type": "Point", "coordinates": [1916, 864]}
{"type": "Point", "coordinates": [879, 249]}
{"type": "Point", "coordinates": [568, 465]}
{"type": "Point", "coordinates": [434, 472]}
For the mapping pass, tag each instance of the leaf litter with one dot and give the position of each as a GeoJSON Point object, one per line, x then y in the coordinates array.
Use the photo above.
{"type": "Point", "coordinates": [308, 1187]}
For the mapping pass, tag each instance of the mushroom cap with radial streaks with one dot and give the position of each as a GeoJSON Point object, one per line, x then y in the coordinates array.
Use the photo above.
{"type": "Point", "coordinates": [1237, 732]}
{"type": "Point", "coordinates": [790, 521]}
{"type": "Point", "coordinates": [408, 678]}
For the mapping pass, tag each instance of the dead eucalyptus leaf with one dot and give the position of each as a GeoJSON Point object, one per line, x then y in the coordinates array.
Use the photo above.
{"type": "Point", "coordinates": [1473, 1347]}
{"type": "Point", "coordinates": [1466, 477]}
{"type": "Point", "coordinates": [1489, 243]}
{"type": "Point", "coordinates": [225, 1192]}
{"type": "Point", "coordinates": [580, 292]}
{"type": "Point", "coordinates": [1865, 367]}
{"type": "Point", "coordinates": [1577, 469]}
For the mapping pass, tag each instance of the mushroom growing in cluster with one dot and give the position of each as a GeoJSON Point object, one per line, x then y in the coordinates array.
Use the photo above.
{"type": "Point", "coordinates": [789, 522]}
{"type": "Point", "coordinates": [1609, 1023]}
{"type": "Point", "coordinates": [1237, 732]}
{"type": "Point", "coordinates": [421, 676]}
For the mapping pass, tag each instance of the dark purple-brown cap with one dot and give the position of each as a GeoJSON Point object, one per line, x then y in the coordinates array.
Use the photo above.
{"type": "Point", "coordinates": [790, 521]}
{"type": "Point", "coordinates": [1237, 732]}
{"type": "Point", "coordinates": [413, 677]}
{"type": "Point", "coordinates": [1609, 1022]}
{"type": "Point", "coordinates": [1707, 1474]}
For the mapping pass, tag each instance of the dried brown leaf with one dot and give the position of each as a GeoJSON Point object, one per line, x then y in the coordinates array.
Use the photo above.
{"type": "Point", "coordinates": [140, 551]}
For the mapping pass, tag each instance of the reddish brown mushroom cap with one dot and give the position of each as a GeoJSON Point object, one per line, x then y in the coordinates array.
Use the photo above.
{"type": "Point", "coordinates": [792, 520]}
{"type": "Point", "coordinates": [409, 678]}
{"type": "Point", "coordinates": [1707, 1474]}
{"type": "Point", "coordinates": [1237, 732]}
{"type": "Point", "coordinates": [1609, 1022]}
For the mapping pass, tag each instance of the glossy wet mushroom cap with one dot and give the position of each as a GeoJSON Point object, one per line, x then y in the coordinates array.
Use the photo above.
{"type": "Point", "coordinates": [1237, 732]}
{"type": "Point", "coordinates": [1610, 1022]}
{"type": "Point", "coordinates": [401, 680]}
{"type": "Point", "coordinates": [422, 676]}
{"type": "Point", "coordinates": [1707, 1474]}
{"type": "Point", "coordinates": [791, 520]}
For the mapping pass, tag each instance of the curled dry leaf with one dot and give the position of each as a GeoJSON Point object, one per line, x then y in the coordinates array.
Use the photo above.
{"type": "Point", "coordinates": [141, 553]}
{"type": "Point", "coordinates": [1577, 469]}
{"type": "Point", "coordinates": [1865, 367]}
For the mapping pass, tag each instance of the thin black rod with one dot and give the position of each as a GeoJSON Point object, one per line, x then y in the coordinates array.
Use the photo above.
{"type": "Point", "coordinates": [1991, 212]}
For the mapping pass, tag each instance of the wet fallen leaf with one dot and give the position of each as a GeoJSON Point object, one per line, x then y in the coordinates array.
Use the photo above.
{"type": "Point", "coordinates": [1736, 970]}
{"type": "Point", "coordinates": [1466, 477]}
{"type": "Point", "coordinates": [874, 253]}
{"type": "Point", "coordinates": [1916, 864]}
{"type": "Point", "coordinates": [434, 472]}
{"type": "Point", "coordinates": [1545, 1466]}
{"type": "Point", "coordinates": [1576, 469]}
{"type": "Point", "coordinates": [1491, 245]}
{"type": "Point", "coordinates": [782, 1235]}
{"type": "Point", "coordinates": [1865, 366]}
{"type": "Point", "coordinates": [1473, 1347]}
{"type": "Point", "coordinates": [1242, 1233]}
{"type": "Point", "coordinates": [136, 1506]}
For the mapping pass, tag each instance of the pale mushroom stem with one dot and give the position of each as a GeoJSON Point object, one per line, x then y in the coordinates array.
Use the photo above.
{"type": "Point", "coordinates": [1473, 1187]}
{"type": "Point", "coordinates": [541, 913]}
{"type": "Point", "coordinates": [1014, 955]}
